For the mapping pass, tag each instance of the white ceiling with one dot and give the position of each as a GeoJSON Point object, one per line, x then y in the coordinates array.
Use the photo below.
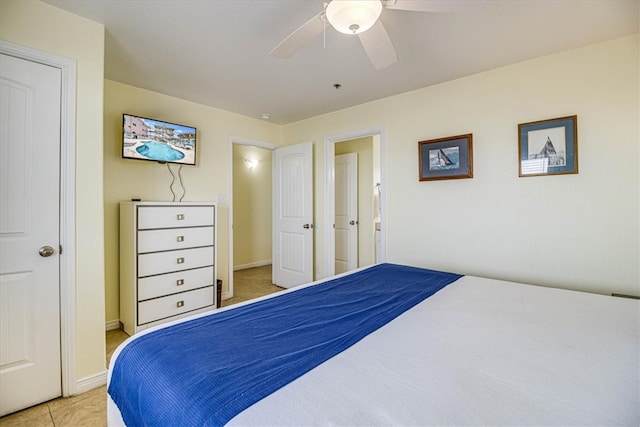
{"type": "Point", "coordinates": [216, 52]}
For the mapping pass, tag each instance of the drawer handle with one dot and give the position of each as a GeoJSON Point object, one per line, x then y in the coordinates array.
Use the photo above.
{"type": "Point", "coordinates": [180, 238]}
{"type": "Point", "coordinates": [180, 304]}
{"type": "Point", "coordinates": [180, 217]}
{"type": "Point", "coordinates": [179, 282]}
{"type": "Point", "coordinates": [180, 260]}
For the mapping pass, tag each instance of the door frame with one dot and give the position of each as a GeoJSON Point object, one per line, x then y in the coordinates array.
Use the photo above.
{"type": "Point", "coordinates": [67, 205]}
{"type": "Point", "coordinates": [240, 141]}
{"type": "Point", "coordinates": [330, 191]}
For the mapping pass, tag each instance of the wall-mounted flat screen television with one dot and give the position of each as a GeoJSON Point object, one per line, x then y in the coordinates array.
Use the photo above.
{"type": "Point", "coordinates": [158, 141]}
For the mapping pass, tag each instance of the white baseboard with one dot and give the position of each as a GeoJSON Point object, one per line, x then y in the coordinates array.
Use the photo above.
{"type": "Point", "coordinates": [252, 265]}
{"type": "Point", "coordinates": [89, 383]}
{"type": "Point", "coordinates": [112, 325]}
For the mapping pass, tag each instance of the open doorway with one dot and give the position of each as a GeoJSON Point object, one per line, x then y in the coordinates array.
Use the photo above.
{"type": "Point", "coordinates": [285, 175]}
{"type": "Point", "coordinates": [363, 148]}
{"type": "Point", "coordinates": [250, 251]}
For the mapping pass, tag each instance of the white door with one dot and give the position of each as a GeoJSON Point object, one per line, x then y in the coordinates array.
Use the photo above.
{"type": "Point", "coordinates": [30, 369]}
{"type": "Point", "coordinates": [293, 215]}
{"type": "Point", "coordinates": [346, 184]}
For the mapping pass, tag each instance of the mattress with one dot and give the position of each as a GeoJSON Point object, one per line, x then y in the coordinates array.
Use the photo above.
{"type": "Point", "coordinates": [477, 352]}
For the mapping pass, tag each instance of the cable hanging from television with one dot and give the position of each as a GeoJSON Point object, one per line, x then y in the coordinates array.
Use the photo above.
{"type": "Point", "coordinates": [173, 180]}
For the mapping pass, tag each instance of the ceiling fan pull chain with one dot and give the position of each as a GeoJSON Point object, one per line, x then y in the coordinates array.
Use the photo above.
{"type": "Point", "coordinates": [324, 38]}
{"type": "Point", "coordinates": [324, 28]}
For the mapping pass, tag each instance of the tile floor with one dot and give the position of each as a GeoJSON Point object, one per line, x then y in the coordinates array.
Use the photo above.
{"type": "Point", "coordinates": [86, 409]}
{"type": "Point", "coordinates": [90, 408]}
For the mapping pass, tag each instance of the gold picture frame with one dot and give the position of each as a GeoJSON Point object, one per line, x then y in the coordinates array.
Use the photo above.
{"type": "Point", "coordinates": [548, 147]}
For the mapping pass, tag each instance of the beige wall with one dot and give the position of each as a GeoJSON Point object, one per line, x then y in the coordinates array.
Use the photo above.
{"type": "Point", "coordinates": [578, 231]}
{"type": "Point", "coordinates": [49, 29]}
{"type": "Point", "coordinates": [251, 207]}
{"type": "Point", "coordinates": [209, 179]}
{"type": "Point", "coordinates": [364, 148]}
{"type": "Point", "coordinates": [574, 231]}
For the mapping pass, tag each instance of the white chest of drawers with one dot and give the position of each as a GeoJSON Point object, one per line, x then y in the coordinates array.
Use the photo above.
{"type": "Point", "coordinates": [167, 262]}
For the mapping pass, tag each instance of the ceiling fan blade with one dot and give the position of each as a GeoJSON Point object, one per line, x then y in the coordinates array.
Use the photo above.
{"type": "Point", "coordinates": [300, 37]}
{"type": "Point", "coordinates": [430, 5]}
{"type": "Point", "coordinates": [377, 44]}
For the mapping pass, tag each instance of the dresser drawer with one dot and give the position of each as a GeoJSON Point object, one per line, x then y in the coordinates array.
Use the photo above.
{"type": "Point", "coordinates": [150, 217]}
{"type": "Point", "coordinates": [167, 262]}
{"type": "Point", "coordinates": [174, 238]}
{"type": "Point", "coordinates": [165, 284]}
{"type": "Point", "coordinates": [172, 305]}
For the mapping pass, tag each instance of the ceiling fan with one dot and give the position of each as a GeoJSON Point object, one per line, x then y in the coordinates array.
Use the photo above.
{"type": "Point", "coordinates": [360, 17]}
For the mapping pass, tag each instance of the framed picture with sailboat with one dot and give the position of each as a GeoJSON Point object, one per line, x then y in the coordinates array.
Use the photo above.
{"type": "Point", "coordinates": [548, 147]}
{"type": "Point", "coordinates": [446, 158]}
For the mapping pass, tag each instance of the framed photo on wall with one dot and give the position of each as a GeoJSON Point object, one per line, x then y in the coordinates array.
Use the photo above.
{"type": "Point", "coordinates": [446, 158]}
{"type": "Point", "coordinates": [548, 147]}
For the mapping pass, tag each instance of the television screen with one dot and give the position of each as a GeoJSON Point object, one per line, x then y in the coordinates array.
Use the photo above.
{"type": "Point", "coordinates": [155, 140]}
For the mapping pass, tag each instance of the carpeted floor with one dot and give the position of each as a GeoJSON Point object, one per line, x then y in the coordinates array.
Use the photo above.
{"type": "Point", "coordinates": [251, 283]}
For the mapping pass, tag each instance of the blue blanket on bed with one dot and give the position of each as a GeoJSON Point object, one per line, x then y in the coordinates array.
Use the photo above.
{"type": "Point", "coordinates": [205, 371]}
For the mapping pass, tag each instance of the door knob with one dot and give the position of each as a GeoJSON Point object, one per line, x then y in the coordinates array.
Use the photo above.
{"type": "Point", "coordinates": [352, 222]}
{"type": "Point", "coordinates": [46, 251]}
{"type": "Point", "coordinates": [307, 226]}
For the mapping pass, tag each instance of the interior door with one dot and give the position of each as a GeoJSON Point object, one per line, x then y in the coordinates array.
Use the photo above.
{"type": "Point", "coordinates": [293, 215]}
{"type": "Point", "coordinates": [30, 367]}
{"type": "Point", "coordinates": [346, 225]}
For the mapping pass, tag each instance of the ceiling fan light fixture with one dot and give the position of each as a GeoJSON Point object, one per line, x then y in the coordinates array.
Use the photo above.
{"type": "Point", "coordinates": [353, 16]}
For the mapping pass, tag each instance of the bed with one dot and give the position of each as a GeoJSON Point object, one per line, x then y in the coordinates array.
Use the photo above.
{"type": "Point", "coordinates": [388, 345]}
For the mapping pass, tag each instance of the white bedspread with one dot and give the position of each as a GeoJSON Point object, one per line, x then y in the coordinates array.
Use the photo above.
{"type": "Point", "coordinates": [479, 352]}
